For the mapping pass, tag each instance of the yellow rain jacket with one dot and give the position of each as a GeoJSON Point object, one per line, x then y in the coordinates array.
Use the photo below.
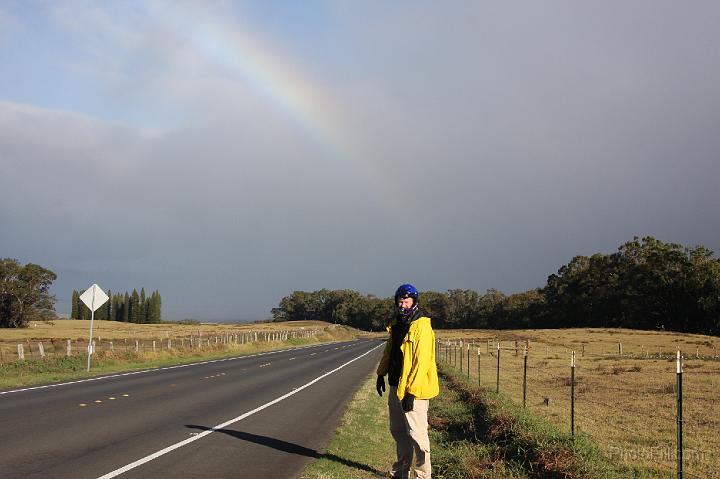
{"type": "Point", "coordinates": [419, 372]}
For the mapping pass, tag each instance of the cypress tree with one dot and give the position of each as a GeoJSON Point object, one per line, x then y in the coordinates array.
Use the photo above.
{"type": "Point", "coordinates": [83, 311]}
{"type": "Point", "coordinates": [143, 313]}
{"type": "Point", "coordinates": [108, 307]}
{"type": "Point", "coordinates": [117, 306]}
{"type": "Point", "coordinates": [101, 312]}
{"type": "Point", "coordinates": [126, 308]}
{"type": "Point", "coordinates": [134, 307]}
{"type": "Point", "coordinates": [154, 308]}
{"type": "Point", "coordinates": [74, 305]}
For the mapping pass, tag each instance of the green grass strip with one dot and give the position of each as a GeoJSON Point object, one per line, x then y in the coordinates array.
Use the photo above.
{"type": "Point", "coordinates": [362, 446]}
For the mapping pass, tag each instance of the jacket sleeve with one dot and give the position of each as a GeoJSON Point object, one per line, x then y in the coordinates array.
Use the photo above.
{"type": "Point", "coordinates": [382, 368]}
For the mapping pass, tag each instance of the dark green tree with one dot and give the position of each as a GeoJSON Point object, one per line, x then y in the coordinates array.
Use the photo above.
{"type": "Point", "coordinates": [134, 309]}
{"type": "Point", "coordinates": [108, 307]}
{"type": "Point", "coordinates": [142, 306]}
{"type": "Point", "coordinates": [24, 293]}
{"type": "Point", "coordinates": [126, 308]}
{"type": "Point", "coordinates": [74, 305]}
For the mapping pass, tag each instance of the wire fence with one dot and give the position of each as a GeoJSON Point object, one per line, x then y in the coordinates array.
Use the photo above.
{"type": "Point", "coordinates": [634, 405]}
{"type": "Point", "coordinates": [55, 348]}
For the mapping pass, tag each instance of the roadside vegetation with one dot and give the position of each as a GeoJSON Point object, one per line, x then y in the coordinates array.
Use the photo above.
{"type": "Point", "coordinates": [473, 434]}
{"type": "Point", "coordinates": [481, 434]}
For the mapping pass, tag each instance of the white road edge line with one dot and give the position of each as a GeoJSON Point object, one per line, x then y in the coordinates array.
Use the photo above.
{"type": "Point", "coordinates": [180, 444]}
{"type": "Point", "coordinates": [157, 369]}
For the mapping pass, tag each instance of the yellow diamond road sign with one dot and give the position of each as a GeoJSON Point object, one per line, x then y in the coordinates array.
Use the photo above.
{"type": "Point", "coordinates": [94, 297]}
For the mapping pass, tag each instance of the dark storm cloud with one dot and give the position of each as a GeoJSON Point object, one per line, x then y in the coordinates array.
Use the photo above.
{"type": "Point", "coordinates": [508, 138]}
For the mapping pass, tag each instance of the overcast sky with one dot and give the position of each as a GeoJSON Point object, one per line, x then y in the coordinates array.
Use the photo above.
{"type": "Point", "coordinates": [228, 153]}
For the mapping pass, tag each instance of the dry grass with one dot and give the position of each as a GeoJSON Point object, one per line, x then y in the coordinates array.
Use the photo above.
{"type": "Point", "coordinates": [627, 404]}
{"type": "Point", "coordinates": [114, 335]}
{"type": "Point", "coordinates": [113, 330]}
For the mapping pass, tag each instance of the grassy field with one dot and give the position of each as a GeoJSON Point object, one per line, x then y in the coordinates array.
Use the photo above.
{"type": "Point", "coordinates": [125, 346]}
{"type": "Point", "coordinates": [627, 404]}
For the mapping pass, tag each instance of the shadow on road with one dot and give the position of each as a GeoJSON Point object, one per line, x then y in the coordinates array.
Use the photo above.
{"type": "Point", "coordinates": [289, 447]}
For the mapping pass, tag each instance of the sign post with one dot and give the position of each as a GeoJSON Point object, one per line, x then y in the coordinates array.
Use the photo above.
{"type": "Point", "coordinates": [93, 297]}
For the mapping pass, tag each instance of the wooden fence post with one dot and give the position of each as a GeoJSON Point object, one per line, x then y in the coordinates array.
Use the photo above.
{"type": "Point", "coordinates": [68, 348]}
{"type": "Point", "coordinates": [21, 352]}
{"type": "Point", "coordinates": [41, 349]}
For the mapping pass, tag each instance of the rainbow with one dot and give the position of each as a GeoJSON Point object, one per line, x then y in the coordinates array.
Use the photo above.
{"type": "Point", "coordinates": [242, 53]}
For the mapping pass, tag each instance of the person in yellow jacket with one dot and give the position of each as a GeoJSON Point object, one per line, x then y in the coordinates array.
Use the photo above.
{"type": "Point", "coordinates": [409, 362]}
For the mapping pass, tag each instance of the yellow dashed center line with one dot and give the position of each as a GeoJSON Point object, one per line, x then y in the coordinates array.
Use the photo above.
{"type": "Point", "coordinates": [291, 359]}
{"type": "Point", "coordinates": [99, 401]}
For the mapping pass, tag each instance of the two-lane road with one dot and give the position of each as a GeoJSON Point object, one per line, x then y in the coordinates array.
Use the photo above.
{"type": "Point", "coordinates": [258, 416]}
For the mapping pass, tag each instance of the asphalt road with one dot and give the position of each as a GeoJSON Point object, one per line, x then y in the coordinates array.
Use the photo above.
{"type": "Point", "coordinates": [262, 416]}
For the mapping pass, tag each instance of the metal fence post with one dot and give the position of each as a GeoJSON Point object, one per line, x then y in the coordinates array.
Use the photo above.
{"type": "Point", "coordinates": [497, 384]}
{"type": "Point", "coordinates": [468, 361]}
{"type": "Point", "coordinates": [572, 394]}
{"type": "Point", "coordinates": [679, 416]}
{"type": "Point", "coordinates": [525, 375]}
{"type": "Point", "coordinates": [461, 355]}
{"type": "Point", "coordinates": [478, 367]}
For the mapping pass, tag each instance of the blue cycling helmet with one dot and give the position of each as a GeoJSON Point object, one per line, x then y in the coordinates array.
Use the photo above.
{"type": "Point", "coordinates": [407, 291]}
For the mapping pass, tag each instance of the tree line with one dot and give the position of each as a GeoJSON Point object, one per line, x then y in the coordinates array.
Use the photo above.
{"type": "Point", "coordinates": [645, 284]}
{"type": "Point", "coordinates": [129, 307]}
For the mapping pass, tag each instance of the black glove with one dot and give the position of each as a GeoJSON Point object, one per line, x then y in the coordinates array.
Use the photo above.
{"type": "Point", "coordinates": [408, 402]}
{"type": "Point", "coordinates": [380, 385]}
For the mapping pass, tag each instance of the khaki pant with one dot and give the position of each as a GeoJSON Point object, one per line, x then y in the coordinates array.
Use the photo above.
{"type": "Point", "coordinates": [410, 431]}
